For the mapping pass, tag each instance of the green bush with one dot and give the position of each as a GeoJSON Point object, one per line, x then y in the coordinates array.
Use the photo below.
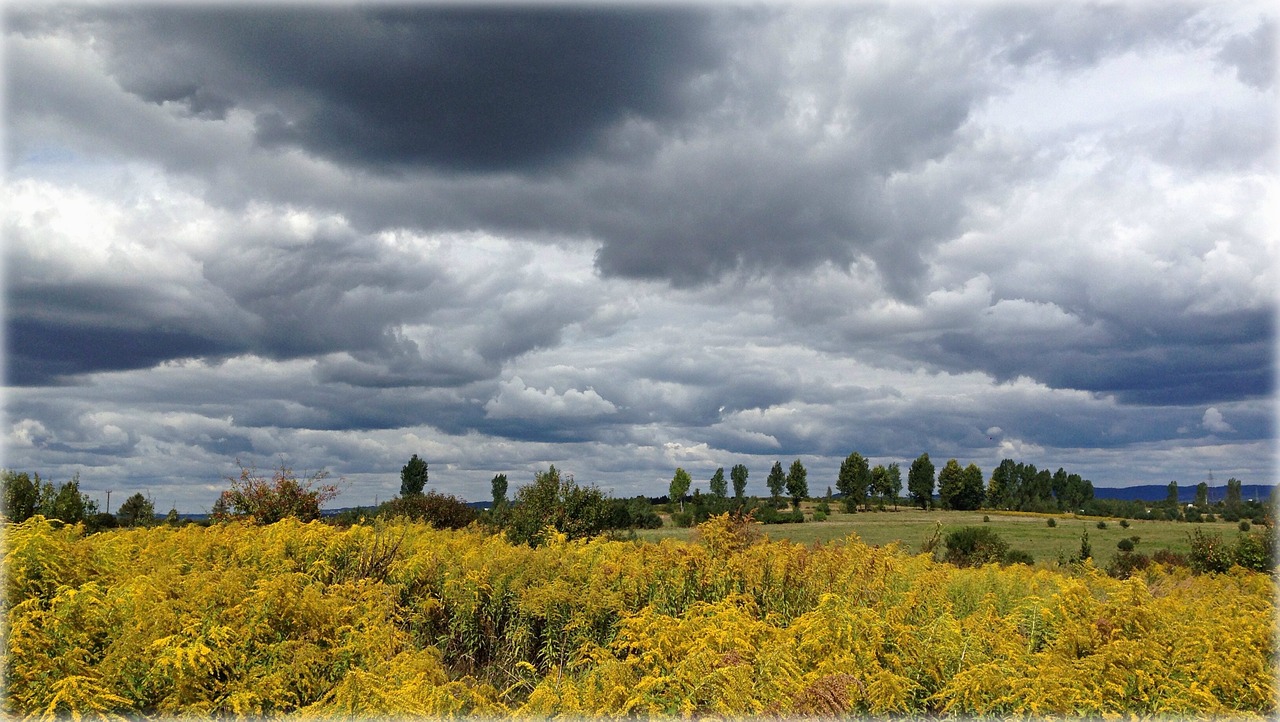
{"type": "Point", "coordinates": [1017, 556]}
{"type": "Point", "coordinates": [1170, 558]}
{"type": "Point", "coordinates": [974, 546]}
{"type": "Point", "coordinates": [1125, 545]}
{"type": "Point", "coordinates": [682, 519]}
{"type": "Point", "coordinates": [1052, 522]}
{"type": "Point", "coordinates": [1102, 525]}
{"type": "Point", "coordinates": [438, 510]}
{"type": "Point", "coordinates": [1256, 552]}
{"type": "Point", "coordinates": [575, 511]}
{"type": "Point", "coordinates": [1244, 525]}
{"type": "Point", "coordinates": [819, 515]}
{"type": "Point", "coordinates": [985, 518]}
{"type": "Point", "coordinates": [1122, 566]}
{"type": "Point", "coordinates": [1209, 553]}
{"type": "Point", "coordinates": [1124, 523]}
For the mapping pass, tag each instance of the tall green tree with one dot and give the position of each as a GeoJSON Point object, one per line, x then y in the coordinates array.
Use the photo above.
{"type": "Point", "coordinates": [71, 506]}
{"type": "Point", "coordinates": [950, 484]}
{"type": "Point", "coordinates": [413, 477]}
{"type": "Point", "coordinates": [776, 482]}
{"type": "Point", "coordinates": [21, 495]}
{"type": "Point", "coordinates": [797, 483]}
{"type": "Point", "coordinates": [498, 486]}
{"type": "Point", "coordinates": [1202, 494]}
{"type": "Point", "coordinates": [719, 486]}
{"type": "Point", "coordinates": [1004, 479]}
{"type": "Point", "coordinates": [137, 510]}
{"type": "Point", "coordinates": [853, 480]}
{"type": "Point", "coordinates": [1171, 496]}
{"type": "Point", "coordinates": [893, 485]}
{"type": "Point", "coordinates": [973, 491]}
{"type": "Point", "coordinates": [920, 481]}
{"type": "Point", "coordinates": [679, 486]}
{"type": "Point", "coordinates": [1059, 486]}
{"type": "Point", "coordinates": [1233, 497]}
{"type": "Point", "coordinates": [739, 476]}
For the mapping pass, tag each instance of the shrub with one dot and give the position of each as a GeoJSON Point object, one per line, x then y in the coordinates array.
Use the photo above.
{"type": "Point", "coordinates": [434, 508]}
{"type": "Point", "coordinates": [550, 501]}
{"type": "Point", "coordinates": [1124, 523]}
{"type": "Point", "coordinates": [985, 518]}
{"type": "Point", "coordinates": [1125, 545]}
{"type": "Point", "coordinates": [264, 501]}
{"type": "Point", "coordinates": [1209, 553]}
{"type": "Point", "coordinates": [1102, 525]}
{"type": "Point", "coordinates": [819, 515]}
{"type": "Point", "coordinates": [1122, 566]}
{"type": "Point", "coordinates": [1244, 525]}
{"type": "Point", "coordinates": [1256, 552]}
{"type": "Point", "coordinates": [682, 519]}
{"type": "Point", "coordinates": [1169, 557]}
{"type": "Point", "coordinates": [1051, 522]}
{"type": "Point", "coordinates": [975, 546]}
{"type": "Point", "coordinates": [1017, 556]}
{"type": "Point", "coordinates": [1193, 515]}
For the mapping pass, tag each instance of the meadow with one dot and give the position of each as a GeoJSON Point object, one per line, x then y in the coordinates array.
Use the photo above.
{"type": "Point", "coordinates": [1029, 532]}
{"type": "Point", "coordinates": [398, 619]}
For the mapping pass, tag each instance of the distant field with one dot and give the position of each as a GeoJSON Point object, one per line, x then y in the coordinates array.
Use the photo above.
{"type": "Point", "coordinates": [1027, 532]}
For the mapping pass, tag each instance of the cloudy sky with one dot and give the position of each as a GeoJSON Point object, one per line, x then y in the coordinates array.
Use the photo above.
{"type": "Point", "coordinates": [626, 239]}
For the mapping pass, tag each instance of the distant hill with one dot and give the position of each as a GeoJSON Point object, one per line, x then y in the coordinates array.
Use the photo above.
{"type": "Point", "coordinates": [1186, 494]}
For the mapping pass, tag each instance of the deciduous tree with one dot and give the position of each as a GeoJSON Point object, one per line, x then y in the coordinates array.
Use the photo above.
{"type": "Point", "coordinates": [137, 510]}
{"type": "Point", "coordinates": [797, 483]}
{"type": "Point", "coordinates": [719, 486]}
{"type": "Point", "coordinates": [679, 486]}
{"type": "Point", "coordinates": [776, 482]}
{"type": "Point", "coordinates": [920, 481]}
{"type": "Point", "coordinates": [853, 480]}
{"type": "Point", "coordinates": [739, 476]}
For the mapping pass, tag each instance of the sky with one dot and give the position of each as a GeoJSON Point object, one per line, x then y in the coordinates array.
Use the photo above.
{"type": "Point", "coordinates": [622, 239]}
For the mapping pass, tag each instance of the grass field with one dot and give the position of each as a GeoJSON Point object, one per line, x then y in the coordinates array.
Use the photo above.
{"type": "Point", "coordinates": [1027, 532]}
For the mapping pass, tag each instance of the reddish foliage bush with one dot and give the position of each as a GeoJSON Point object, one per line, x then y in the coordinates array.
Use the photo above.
{"type": "Point", "coordinates": [266, 501]}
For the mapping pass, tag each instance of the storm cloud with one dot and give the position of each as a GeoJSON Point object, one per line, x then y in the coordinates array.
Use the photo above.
{"type": "Point", "coordinates": [626, 238]}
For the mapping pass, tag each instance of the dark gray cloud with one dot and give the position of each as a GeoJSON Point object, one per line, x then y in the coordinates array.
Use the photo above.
{"type": "Point", "coordinates": [466, 90]}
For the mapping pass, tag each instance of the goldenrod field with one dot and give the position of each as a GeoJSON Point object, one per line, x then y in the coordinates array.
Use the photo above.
{"type": "Point", "coordinates": [396, 619]}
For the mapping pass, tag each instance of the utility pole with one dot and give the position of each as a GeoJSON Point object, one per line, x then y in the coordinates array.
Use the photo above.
{"type": "Point", "coordinates": [108, 509]}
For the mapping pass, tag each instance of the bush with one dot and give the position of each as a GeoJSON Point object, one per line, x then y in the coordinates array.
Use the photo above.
{"type": "Point", "coordinates": [434, 508]}
{"type": "Point", "coordinates": [1256, 552]}
{"type": "Point", "coordinates": [1122, 566]}
{"type": "Point", "coordinates": [575, 511]}
{"type": "Point", "coordinates": [974, 546]}
{"type": "Point", "coordinates": [1124, 523]}
{"type": "Point", "coordinates": [985, 518]}
{"type": "Point", "coordinates": [1193, 515]}
{"type": "Point", "coordinates": [264, 501]}
{"type": "Point", "coordinates": [767, 514]}
{"type": "Point", "coordinates": [1244, 525]}
{"type": "Point", "coordinates": [1125, 545]}
{"type": "Point", "coordinates": [1209, 553]}
{"type": "Point", "coordinates": [1017, 556]}
{"type": "Point", "coordinates": [1051, 522]}
{"type": "Point", "coordinates": [819, 515]}
{"type": "Point", "coordinates": [1170, 558]}
{"type": "Point", "coordinates": [1102, 525]}
{"type": "Point", "coordinates": [682, 519]}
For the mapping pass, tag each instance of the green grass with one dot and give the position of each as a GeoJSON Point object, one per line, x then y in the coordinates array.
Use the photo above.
{"type": "Point", "coordinates": [1029, 533]}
